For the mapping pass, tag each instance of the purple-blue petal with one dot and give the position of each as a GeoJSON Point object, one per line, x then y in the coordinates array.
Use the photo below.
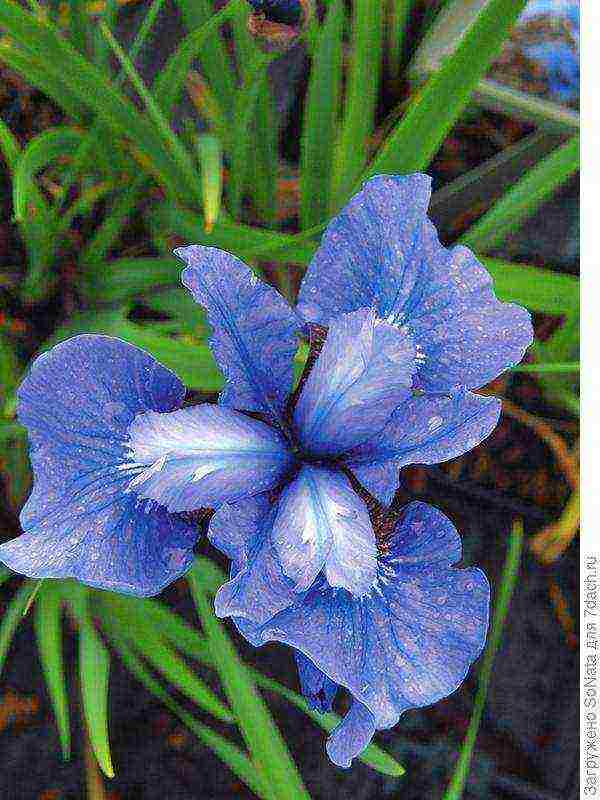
{"type": "Point", "coordinates": [77, 403]}
{"type": "Point", "coordinates": [409, 642]}
{"type": "Point", "coordinates": [363, 373]}
{"type": "Point", "coordinates": [234, 527]}
{"type": "Point", "coordinates": [424, 430]}
{"type": "Point", "coordinates": [382, 252]}
{"type": "Point", "coordinates": [203, 456]}
{"type": "Point", "coordinates": [350, 737]}
{"type": "Point", "coordinates": [254, 336]}
{"type": "Point", "coordinates": [258, 588]}
{"type": "Point", "coordinates": [315, 685]}
{"type": "Point", "coordinates": [322, 524]}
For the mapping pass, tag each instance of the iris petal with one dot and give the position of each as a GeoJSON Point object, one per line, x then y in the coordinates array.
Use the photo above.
{"type": "Point", "coordinates": [77, 403]}
{"type": "Point", "coordinates": [408, 643]}
{"type": "Point", "coordinates": [321, 523]}
{"type": "Point", "coordinates": [254, 336]}
{"type": "Point", "coordinates": [382, 252]}
{"type": "Point", "coordinates": [423, 430]}
{"type": "Point", "coordinates": [203, 456]}
{"type": "Point", "coordinates": [363, 372]}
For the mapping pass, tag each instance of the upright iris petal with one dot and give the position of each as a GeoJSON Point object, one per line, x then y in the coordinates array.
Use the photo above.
{"type": "Point", "coordinates": [363, 373]}
{"type": "Point", "coordinates": [203, 456]}
{"type": "Point", "coordinates": [254, 334]}
{"type": "Point", "coordinates": [77, 403]}
{"type": "Point", "coordinates": [322, 523]}
{"type": "Point", "coordinates": [382, 252]}
{"type": "Point", "coordinates": [408, 643]}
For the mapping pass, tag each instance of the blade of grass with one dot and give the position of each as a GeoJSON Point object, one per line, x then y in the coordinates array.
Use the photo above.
{"type": "Point", "coordinates": [538, 289]}
{"type": "Point", "coordinates": [507, 584]}
{"type": "Point", "coordinates": [537, 185]}
{"type": "Point", "coordinates": [13, 614]}
{"type": "Point", "coordinates": [397, 18]}
{"type": "Point", "coordinates": [169, 83]}
{"type": "Point", "coordinates": [178, 152]}
{"type": "Point", "coordinates": [94, 668]}
{"type": "Point", "coordinates": [556, 368]}
{"type": "Point", "coordinates": [320, 123]}
{"type": "Point", "coordinates": [92, 88]}
{"type": "Point", "coordinates": [213, 56]}
{"type": "Point", "coordinates": [47, 621]}
{"type": "Point", "coordinates": [129, 618]}
{"type": "Point", "coordinates": [231, 755]}
{"type": "Point", "coordinates": [40, 151]}
{"type": "Point", "coordinates": [244, 111]}
{"type": "Point", "coordinates": [416, 138]}
{"type": "Point", "coordinates": [268, 750]}
{"type": "Point", "coordinates": [360, 101]}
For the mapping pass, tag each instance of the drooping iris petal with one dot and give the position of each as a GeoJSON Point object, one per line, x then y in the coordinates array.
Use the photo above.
{"type": "Point", "coordinates": [423, 430]}
{"type": "Point", "coordinates": [258, 589]}
{"type": "Point", "coordinates": [406, 644]}
{"type": "Point", "coordinates": [254, 336]}
{"type": "Point", "coordinates": [351, 735]}
{"type": "Point", "coordinates": [382, 252]}
{"type": "Point", "coordinates": [77, 403]}
{"type": "Point", "coordinates": [316, 686]}
{"type": "Point", "coordinates": [321, 523]}
{"type": "Point", "coordinates": [362, 374]}
{"type": "Point", "coordinates": [203, 456]}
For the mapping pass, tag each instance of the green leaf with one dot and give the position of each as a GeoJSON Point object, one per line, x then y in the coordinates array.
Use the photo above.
{"type": "Point", "coordinates": [94, 668]}
{"type": "Point", "coordinates": [536, 186]}
{"type": "Point", "coordinates": [231, 755]}
{"type": "Point", "coordinates": [36, 72]}
{"type": "Point", "coordinates": [552, 368]}
{"type": "Point", "coordinates": [320, 123]}
{"type": "Point", "coordinates": [212, 53]}
{"type": "Point", "coordinates": [129, 618]}
{"type": "Point", "coordinates": [12, 616]}
{"type": "Point", "coordinates": [360, 101]}
{"type": "Point", "coordinates": [538, 289]}
{"type": "Point", "coordinates": [264, 157]}
{"type": "Point", "coordinates": [397, 19]}
{"type": "Point", "coordinates": [37, 155]}
{"type": "Point", "coordinates": [200, 42]}
{"type": "Point", "coordinates": [91, 87]}
{"type": "Point", "coordinates": [211, 169]}
{"type": "Point", "coordinates": [189, 642]}
{"type": "Point", "coordinates": [47, 620]}
{"type": "Point", "coordinates": [416, 138]}
{"type": "Point", "coordinates": [122, 279]}
{"type": "Point", "coordinates": [267, 748]}
{"type": "Point", "coordinates": [507, 584]}
{"type": "Point", "coordinates": [244, 111]}
{"type": "Point", "coordinates": [9, 371]}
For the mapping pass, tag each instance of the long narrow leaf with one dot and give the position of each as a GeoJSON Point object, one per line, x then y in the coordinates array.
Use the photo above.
{"type": "Point", "coordinates": [237, 761]}
{"type": "Point", "coordinates": [537, 185]}
{"type": "Point", "coordinates": [321, 111]}
{"type": "Point", "coordinates": [47, 619]}
{"type": "Point", "coordinates": [132, 623]}
{"type": "Point", "coordinates": [361, 99]}
{"type": "Point", "coordinates": [417, 137]}
{"type": "Point", "coordinates": [12, 616]}
{"type": "Point", "coordinates": [262, 737]}
{"type": "Point", "coordinates": [507, 584]}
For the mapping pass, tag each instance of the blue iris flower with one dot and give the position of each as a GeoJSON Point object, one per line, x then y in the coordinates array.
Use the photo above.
{"type": "Point", "coordinates": [560, 60]}
{"type": "Point", "coordinates": [287, 12]}
{"type": "Point", "coordinates": [300, 479]}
